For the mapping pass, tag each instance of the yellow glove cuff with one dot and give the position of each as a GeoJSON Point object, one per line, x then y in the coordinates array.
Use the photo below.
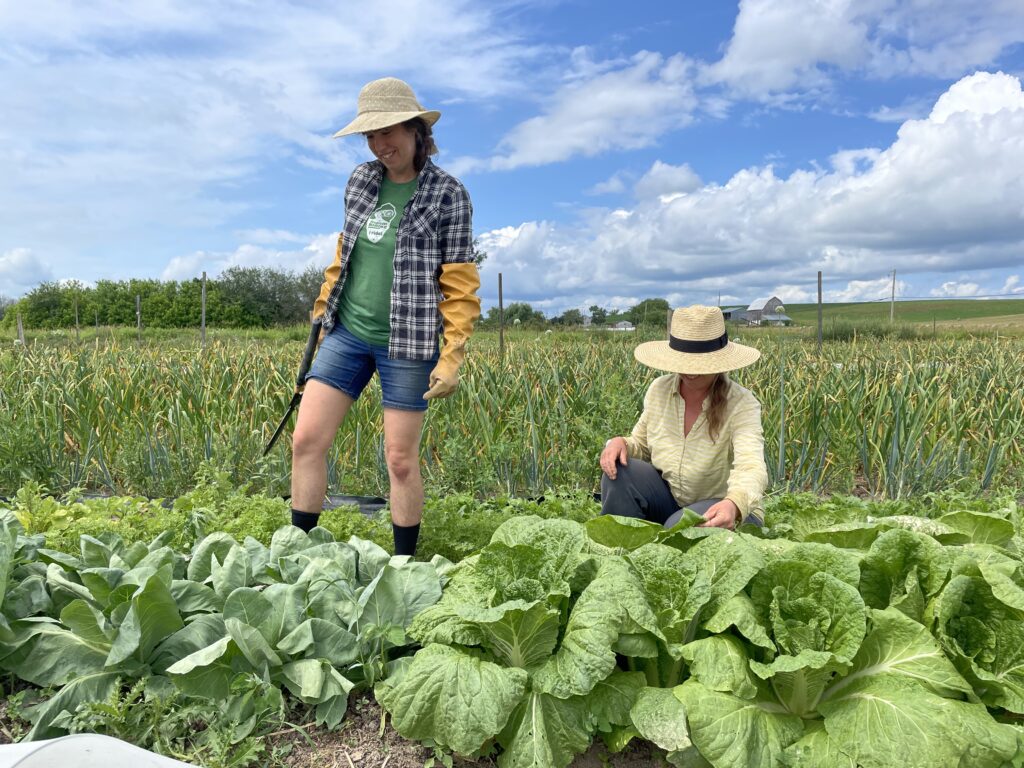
{"type": "Point", "coordinates": [459, 309]}
{"type": "Point", "coordinates": [331, 275]}
{"type": "Point", "coordinates": [460, 306]}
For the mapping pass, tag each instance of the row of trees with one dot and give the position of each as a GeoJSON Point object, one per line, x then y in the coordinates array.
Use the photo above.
{"type": "Point", "coordinates": [648, 311]}
{"type": "Point", "coordinates": [5, 304]}
{"type": "Point", "coordinates": [239, 297]}
{"type": "Point", "coordinates": [245, 297]}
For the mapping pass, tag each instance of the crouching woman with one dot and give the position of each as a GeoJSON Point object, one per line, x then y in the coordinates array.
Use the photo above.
{"type": "Point", "coordinates": [698, 443]}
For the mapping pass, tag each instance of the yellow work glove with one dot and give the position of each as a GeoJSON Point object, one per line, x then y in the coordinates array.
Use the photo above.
{"type": "Point", "coordinates": [459, 310]}
{"type": "Point", "coordinates": [444, 379]}
{"type": "Point", "coordinates": [331, 275]}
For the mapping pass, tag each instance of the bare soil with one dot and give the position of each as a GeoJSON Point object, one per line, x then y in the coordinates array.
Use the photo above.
{"type": "Point", "coordinates": [363, 741]}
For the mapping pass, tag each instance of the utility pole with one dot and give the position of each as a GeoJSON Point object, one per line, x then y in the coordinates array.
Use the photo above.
{"type": "Point", "coordinates": [892, 298]}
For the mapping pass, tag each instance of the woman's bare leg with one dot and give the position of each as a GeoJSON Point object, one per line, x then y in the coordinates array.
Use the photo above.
{"type": "Point", "coordinates": [321, 412]}
{"type": "Point", "coordinates": [402, 430]}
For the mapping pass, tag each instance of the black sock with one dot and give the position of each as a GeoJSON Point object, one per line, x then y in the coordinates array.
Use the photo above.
{"type": "Point", "coordinates": [406, 537]}
{"type": "Point", "coordinates": [304, 520]}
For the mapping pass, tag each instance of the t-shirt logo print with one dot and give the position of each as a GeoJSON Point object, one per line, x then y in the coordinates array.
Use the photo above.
{"type": "Point", "coordinates": [379, 222]}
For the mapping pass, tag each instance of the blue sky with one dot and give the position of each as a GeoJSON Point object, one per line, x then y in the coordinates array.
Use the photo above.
{"type": "Point", "coordinates": [614, 151]}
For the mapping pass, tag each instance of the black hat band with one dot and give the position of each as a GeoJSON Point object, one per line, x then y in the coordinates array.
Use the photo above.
{"type": "Point", "coordinates": [711, 345]}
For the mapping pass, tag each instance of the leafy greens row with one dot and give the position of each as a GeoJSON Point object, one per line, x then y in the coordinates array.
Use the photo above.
{"type": "Point", "coordinates": [308, 614]}
{"type": "Point", "coordinates": [895, 641]}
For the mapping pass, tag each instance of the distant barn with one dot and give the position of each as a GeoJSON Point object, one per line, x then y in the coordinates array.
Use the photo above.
{"type": "Point", "coordinates": [776, 319]}
{"type": "Point", "coordinates": [769, 311]}
{"type": "Point", "coordinates": [734, 314]}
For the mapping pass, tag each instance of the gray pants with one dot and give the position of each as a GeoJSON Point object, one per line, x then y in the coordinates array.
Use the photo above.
{"type": "Point", "coordinates": [638, 490]}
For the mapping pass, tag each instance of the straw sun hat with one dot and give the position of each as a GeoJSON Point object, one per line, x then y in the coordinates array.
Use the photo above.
{"type": "Point", "coordinates": [698, 343]}
{"type": "Point", "coordinates": [385, 102]}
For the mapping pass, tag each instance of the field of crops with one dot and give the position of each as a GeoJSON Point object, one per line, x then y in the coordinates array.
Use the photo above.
{"type": "Point", "coordinates": [891, 417]}
{"type": "Point", "coordinates": [529, 631]}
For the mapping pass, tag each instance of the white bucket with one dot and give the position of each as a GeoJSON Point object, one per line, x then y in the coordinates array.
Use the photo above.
{"type": "Point", "coordinates": [82, 750]}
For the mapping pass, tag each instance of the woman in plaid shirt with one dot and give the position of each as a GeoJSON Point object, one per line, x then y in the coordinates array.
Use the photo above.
{"type": "Point", "coordinates": [402, 276]}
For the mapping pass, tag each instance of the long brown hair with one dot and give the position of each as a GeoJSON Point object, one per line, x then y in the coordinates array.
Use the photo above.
{"type": "Point", "coordinates": [425, 146]}
{"type": "Point", "coordinates": [717, 396]}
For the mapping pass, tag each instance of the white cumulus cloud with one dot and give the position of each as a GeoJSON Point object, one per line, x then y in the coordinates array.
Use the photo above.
{"type": "Point", "coordinates": [626, 107]}
{"type": "Point", "coordinates": [21, 270]}
{"type": "Point", "coordinates": [944, 196]}
{"type": "Point", "coordinates": [125, 120]}
{"type": "Point", "coordinates": [664, 179]}
{"type": "Point", "coordinates": [1012, 285]}
{"type": "Point", "coordinates": [316, 251]}
{"type": "Point", "coordinates": [957, 289]}
{"type": "Point", "coordinates": [612, 185]}
{"type": "Point", "coordinates": [791, 47]}
{"type": "Point", "coordinates": [778, 45]}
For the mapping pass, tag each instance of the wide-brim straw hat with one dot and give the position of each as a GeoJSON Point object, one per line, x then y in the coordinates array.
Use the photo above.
{"type": "Point", "coordinates": [386, 102]}
{"type": "Point", "coordinates": [698, 343]}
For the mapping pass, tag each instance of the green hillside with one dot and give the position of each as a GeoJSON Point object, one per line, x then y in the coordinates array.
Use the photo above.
{"type": "Point", "coordinates": [943, 310]}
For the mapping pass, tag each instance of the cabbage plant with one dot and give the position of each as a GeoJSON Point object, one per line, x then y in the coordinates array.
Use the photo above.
{"type": "Point", "coordinates": [724, 649]}
{"type": "Point", "coordinates": [308, 614]}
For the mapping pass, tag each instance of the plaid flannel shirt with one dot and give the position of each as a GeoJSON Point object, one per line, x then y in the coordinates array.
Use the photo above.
{"type": "Point", "coordinates": [436, 229]}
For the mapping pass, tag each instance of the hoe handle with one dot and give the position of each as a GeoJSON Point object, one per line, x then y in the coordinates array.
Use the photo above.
{"type": "Point", "coordinates": [307, 355]}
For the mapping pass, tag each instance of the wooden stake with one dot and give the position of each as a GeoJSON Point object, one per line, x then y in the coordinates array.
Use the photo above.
{"type": "Point", "coordinates": [203, 320]}
{"type": "Point", "coordinates": [892, 299]}
{"type": "Point", "coordinates": [501, 322]}
{"type": "Point", "coordinates": [819, 311]}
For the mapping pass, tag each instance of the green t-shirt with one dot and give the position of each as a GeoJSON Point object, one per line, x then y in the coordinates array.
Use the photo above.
{"type": "Point", "coordinates": [365, 305]}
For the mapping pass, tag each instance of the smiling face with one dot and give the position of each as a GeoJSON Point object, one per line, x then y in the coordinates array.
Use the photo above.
{"type": "Point", "coordinates": [690, 383]}
{"type": "Point", "coordinates": [395, 147]}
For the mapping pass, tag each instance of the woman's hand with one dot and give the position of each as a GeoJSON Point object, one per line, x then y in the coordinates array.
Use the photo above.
{"type": "Point", "coordinates": [724, 514]}
{"type": "Point", "coordinates": [614, 452]}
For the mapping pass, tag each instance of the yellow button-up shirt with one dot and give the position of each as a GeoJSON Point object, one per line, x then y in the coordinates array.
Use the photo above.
{"type": "Point", "coordinates": [695, 467]}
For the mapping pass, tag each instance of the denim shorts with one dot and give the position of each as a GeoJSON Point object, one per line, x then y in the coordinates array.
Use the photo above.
{"type": "Point", "coordinates": [347, 363]}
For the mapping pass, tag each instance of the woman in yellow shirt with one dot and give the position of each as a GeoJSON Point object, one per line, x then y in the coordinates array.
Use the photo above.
{"type": "Point", "coordinates": [698, 443]}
